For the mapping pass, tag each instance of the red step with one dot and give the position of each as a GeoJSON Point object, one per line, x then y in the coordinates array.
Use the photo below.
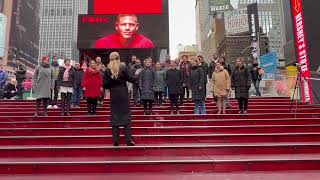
{"type": "Point", "coordinates": [161, 130]}
{"type": "Point", "coordinates": [196, 149]}
{"type": "Point", "coordinates": [130, 164]}
{"type": "Point", "coordinates": [160, 139]}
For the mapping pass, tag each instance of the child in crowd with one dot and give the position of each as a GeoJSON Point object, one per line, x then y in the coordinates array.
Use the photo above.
{"type": "Point", "coordinates": [92, 86]}
{"type": "Point", "coordinates": [147, 81]}
{"type": "Point", "coordinates": [174, 84]}
{"type": "Point", "coordinates": [197, 87]}
{"type": "Point", "coordinates": [159, 86]}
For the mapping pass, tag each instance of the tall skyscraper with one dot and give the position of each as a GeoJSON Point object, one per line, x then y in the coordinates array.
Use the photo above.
{"type": "Point", "coordinates": [271, 21]}
{"type": "Point", "coordinates": [59, 27]}
{"type": "Point", "coordinates": [24, 32]}
{"type": "Point", "coordinates": [203, 23]}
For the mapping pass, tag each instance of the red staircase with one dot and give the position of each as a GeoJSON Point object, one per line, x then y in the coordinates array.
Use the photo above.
{"type": "Point", "coordinates": [270, 139]}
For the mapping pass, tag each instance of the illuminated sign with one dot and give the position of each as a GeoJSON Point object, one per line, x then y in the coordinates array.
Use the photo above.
{"type": "Point", "coordinates": [302, 51]}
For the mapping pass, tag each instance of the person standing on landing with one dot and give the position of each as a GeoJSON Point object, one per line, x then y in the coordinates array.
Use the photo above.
{"type": "Point", "coordinates": [197, 87]}
{"type": "Point", "coordinates": [136, 71]}
{"type": "Point", "coordinates": [160, 84]}
{"type": "Point", "coordinates": [66, 83]}
{"type": "Point", "coordinates": [77, 90]}
{"type": "Point", "coordinates": [42, 81]}
{"type": "Point", "coordinates": [115, 78]}
{"type": "Point", "coordinates": [220, 80]}
{"type": "Point", "coordinates": [146, 84]}
{"type": "Point", "coordinates": [185, 69]}
{"type": "Point", "coordinates": [241, 83]}
{"type": "Point", "coordinates": [92, 86]}
{"type": "Point", "coordinates": [174, 83]}
{"type": "Point", "coordinates": [256, 74]}
{"type": "Point", "coordinates": [55, 89]}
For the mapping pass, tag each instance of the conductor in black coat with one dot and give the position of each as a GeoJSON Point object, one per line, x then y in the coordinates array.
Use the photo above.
{"type": "Point", "coordinates": [115, 79]}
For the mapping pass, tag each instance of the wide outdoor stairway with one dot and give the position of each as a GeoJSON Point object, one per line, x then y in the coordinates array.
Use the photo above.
{"type": "Point", "coordinates": [267, 143]}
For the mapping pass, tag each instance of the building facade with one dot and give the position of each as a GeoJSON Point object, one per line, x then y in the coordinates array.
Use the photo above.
{"type": "Point", "coordinates": [203, 22]}
{"type": "Point", "coordinates": [59, 27]}
{"type": "Point", "coordinates": [235, 46]}
{"type": "Point", "coordinates": [271, 21]}
{"type": "Point", "coordinates": [191, 51]}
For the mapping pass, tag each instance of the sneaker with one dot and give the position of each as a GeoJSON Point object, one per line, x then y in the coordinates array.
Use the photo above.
{"type": "Point", "coordinates": [245, 112]}
{"type": "Point", "coordinates": [130, 143]}
{"type": "Point", "coordinates": [241, 112]}
{"type": "Point", "coordinates": [49, 107]}
{"type": "Point", "coordinates": [55, 107]}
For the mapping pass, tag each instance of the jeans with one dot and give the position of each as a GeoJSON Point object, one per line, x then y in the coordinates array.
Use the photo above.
{"type": "Point", "coordinates": [158, 97]}
{"type": "Point", "coordinates": [256, 84]}
{"type": "Point", "coordinates": [136, 94]}
{"type": "Point", "coordinates": [76, 96]}
{"type": "Point", "coordinates": [199, 107]}
{"type": "Point", "coordinates": [243, 104]}
{"type": "Point", "coordinates": [227, 100]}
{"type": "Point", "coordinates": [54, 94]}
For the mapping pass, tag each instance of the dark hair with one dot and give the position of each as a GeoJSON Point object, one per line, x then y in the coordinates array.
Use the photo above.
{"type": "Point", "coordinates": [199, 56]}
{"type": "Point", "coordinates": [67, 60]}
{"type": "Point", "coordinates": [185, 56]}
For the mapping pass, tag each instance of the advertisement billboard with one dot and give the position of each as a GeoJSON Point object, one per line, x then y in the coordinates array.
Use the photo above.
{"type": "Point", "coordinates": [3, 26]}
{"type": "Point", "coordinates": [253, 21]}
{"type": "Point", "coordinates": [269, 64]}
{"type": "Point", "coordinates": [219, 6]}
{"type": "Point", "coordinates": [123, 31]}
{"type": "Point", "coordinates": [236, 21]}
{"type": "Point", "coordinates": [302, 50]}
{"type": "Point", "coordinates": [127, 6]}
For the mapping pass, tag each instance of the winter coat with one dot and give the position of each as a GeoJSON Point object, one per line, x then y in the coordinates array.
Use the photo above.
{"type": "Point", "coordinates": [205, 69]}
{"type": "Point", "coordinates": [160, 78]}
{"type": "Point", "coordinates": [78, 77]}
{"type": "Point", "coordinates": [21, 73]}
{"type": "Point", "coordinates": [92, 81]}
{"type": "Point", "coordinates": [135, 68]}
{"type": "Point", "coordinates": [185, 74]}
{"type": "Point", "coordinates": [119, 97]}
{"type": "Point", "coordinates": [241, 82]}
{"type": "Point", "coordinates": [254, 70]}
{"type": "Point", "coordinates": [146, 84]}
{"type": "Point", "coordinates": [70, 82]}
{"type": "Point", "coordinates": [174, 81]}
{"type": "Point", "coordinates": [3, 78]}
{"type": "Point", "coordinates": [227, 67]}
{"type": "Point", "coordinates": [42, 81]}
{"type": "Point", "coordinates": [220, 82]}
{"type": "Point", "coordinates": [197, 83]}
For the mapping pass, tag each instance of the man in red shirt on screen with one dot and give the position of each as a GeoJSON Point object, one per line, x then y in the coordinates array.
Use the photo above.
{"type": "Point", "coordinates": [127, 35]}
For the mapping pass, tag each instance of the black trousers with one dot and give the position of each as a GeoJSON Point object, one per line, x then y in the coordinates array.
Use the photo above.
{"type": "Point", "coordinates": [158, 96]}
{"type": "Point", "coordinates": [147, 105]}
{"type": "Point", "coordinates": [54, 94]}
{"type": "Point", "coordinates": [45, 104]}
{"type": "Point", "coordinates": [243, 103]}
{"type": "Point", "coordinates": [174, 101]}
{"type": "Point", "coordinates": [116, 133]}
{"type": "Point", "coordinates": [92, 104]}
{"type": "Point", "coordinates": [65, 102]}
{"type": "Point", "coordinates": [20, 88]}
{"type": "Point", "coordinates": [183, 95]}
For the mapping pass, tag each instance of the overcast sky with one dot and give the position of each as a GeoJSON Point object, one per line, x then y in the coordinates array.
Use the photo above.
{"type": "Point", "coordinates": [182, 19]}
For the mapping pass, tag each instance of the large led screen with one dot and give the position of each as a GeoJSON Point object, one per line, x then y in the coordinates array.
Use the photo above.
{"type": "Point", "coordinates": [123, 31]}
{"type": "Point", "coordinates": [128, 6]}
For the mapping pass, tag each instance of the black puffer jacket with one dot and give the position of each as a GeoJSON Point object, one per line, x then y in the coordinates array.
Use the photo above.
{"type": "Point", "coordinates": [71, 80]}
{"type": "Point", "coordinates": [197, 83]}
{"type": "Point", "coordinates": [78, 76]}
{"type": "Point", "coordinates": [241, 82]}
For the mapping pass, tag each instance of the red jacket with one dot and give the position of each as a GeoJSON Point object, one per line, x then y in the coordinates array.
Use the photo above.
{"type": "Point", "coordinates": [92, 81]}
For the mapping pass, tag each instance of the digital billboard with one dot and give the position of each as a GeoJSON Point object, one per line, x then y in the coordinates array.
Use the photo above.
{"type": "Point", "coordinates": [128, 6]}
{"type": "Point", "coordinates": [123, 31]}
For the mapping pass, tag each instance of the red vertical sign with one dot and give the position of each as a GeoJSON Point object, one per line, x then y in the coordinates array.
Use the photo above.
{"type": "Point", "coordinates": [302, 51]}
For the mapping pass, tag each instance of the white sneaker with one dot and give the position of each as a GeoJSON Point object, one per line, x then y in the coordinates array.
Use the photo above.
{"type": "Point", "coordinates": [49, 107]}
{"type": "Point", "coordinates": [55, 107]}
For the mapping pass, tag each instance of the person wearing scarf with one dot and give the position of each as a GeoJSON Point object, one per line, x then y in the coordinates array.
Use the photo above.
{"type": "Point", "coordinates": [185, 69]}
{"type": "Point", "coordinates": [41, 85]}
{"type": "Point", "coordinates": [66, 83]}
{"type": "Point", "coordinates": [221, 84]}
{"type": "Point", "coordinates": [92, 86]}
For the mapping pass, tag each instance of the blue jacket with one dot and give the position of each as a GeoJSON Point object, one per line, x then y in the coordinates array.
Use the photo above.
{"type": "Point", "coordinates": [3, 78]}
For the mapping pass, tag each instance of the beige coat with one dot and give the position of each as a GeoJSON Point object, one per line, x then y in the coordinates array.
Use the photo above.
{"type": "Point", "coordinates": [220, 82]}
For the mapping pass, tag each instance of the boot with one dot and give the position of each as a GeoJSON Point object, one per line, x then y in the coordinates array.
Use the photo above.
{"type": "Point", "coordinates": [36, 114]}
